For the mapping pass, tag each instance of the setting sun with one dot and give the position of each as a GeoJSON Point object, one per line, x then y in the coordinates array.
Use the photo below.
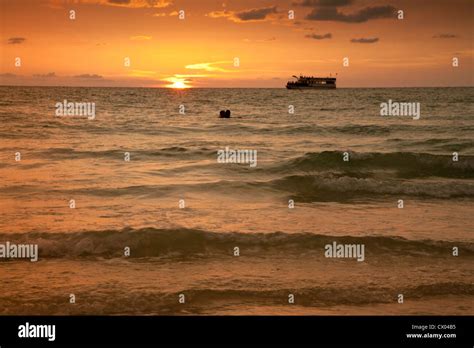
{"type": "Point", "coordinates": [179, 84]}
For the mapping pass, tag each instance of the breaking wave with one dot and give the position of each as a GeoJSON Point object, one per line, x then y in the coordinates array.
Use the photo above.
{"type": "Point", "coordinates": [185, 243]}
{"type": "Point", "coordinates": [405, 164]}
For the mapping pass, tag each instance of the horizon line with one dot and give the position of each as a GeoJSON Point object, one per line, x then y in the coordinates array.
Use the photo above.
{"type": "Point", "coordinates": [188, 88]}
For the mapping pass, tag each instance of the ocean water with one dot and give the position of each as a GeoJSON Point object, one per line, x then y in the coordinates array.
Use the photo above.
{"type": "Point", "coordinates": [190, 250]}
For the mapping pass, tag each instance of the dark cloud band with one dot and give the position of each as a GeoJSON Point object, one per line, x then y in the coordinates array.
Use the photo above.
{"type": "Point", "coordinates": [364, 15]}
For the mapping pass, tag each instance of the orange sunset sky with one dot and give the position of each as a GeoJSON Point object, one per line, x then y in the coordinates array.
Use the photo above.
{"type": "Point", "coordinates": [199, 50]}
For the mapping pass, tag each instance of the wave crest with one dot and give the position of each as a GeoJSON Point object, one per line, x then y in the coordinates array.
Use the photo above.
{"type": "Point", "coordinates": [182, 243]}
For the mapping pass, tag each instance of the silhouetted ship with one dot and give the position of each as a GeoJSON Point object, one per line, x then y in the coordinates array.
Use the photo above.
{"type": "Point", "coordinates": [311, 82]}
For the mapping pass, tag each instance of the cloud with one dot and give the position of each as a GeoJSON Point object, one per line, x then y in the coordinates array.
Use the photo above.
{"type": "Point", "coordinates": [327, 3]}
{"type": "Point", "coordinates": [445, 36]}
{"type": "Point", "coordinates": [261, 40]}
{"type": "Point", "coordinates": [51, 74]}
{"type": "Point", "coordinates": [254, 14]}
{"type": "Point", "coordinates": [191, 75]}
{"type": "Point", "coordinates": [220, 14]}
{"type": "Point", "coordinates": [119, 2]}
{"type": "Point", "coordinates": [130, 3]}
{"type": "Point", "coordinates": [16, 40]}
{"type": "Point", "coordinates": [164, 14]}
{"type": "Point", "coordinates": [88, 76]}
{"type": "Point", "coordinates": [140, 38]}
{"type": "Point", "coordinates": [183, 77]}
{"type": "Point", "coordinates": [363, 15]}
{"type": "Point", "coordinates": [366, 40]}
{"type": "Point", "coordinates": [319, 37]}
{"type": "Point", "coordinates": [209, 66]}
